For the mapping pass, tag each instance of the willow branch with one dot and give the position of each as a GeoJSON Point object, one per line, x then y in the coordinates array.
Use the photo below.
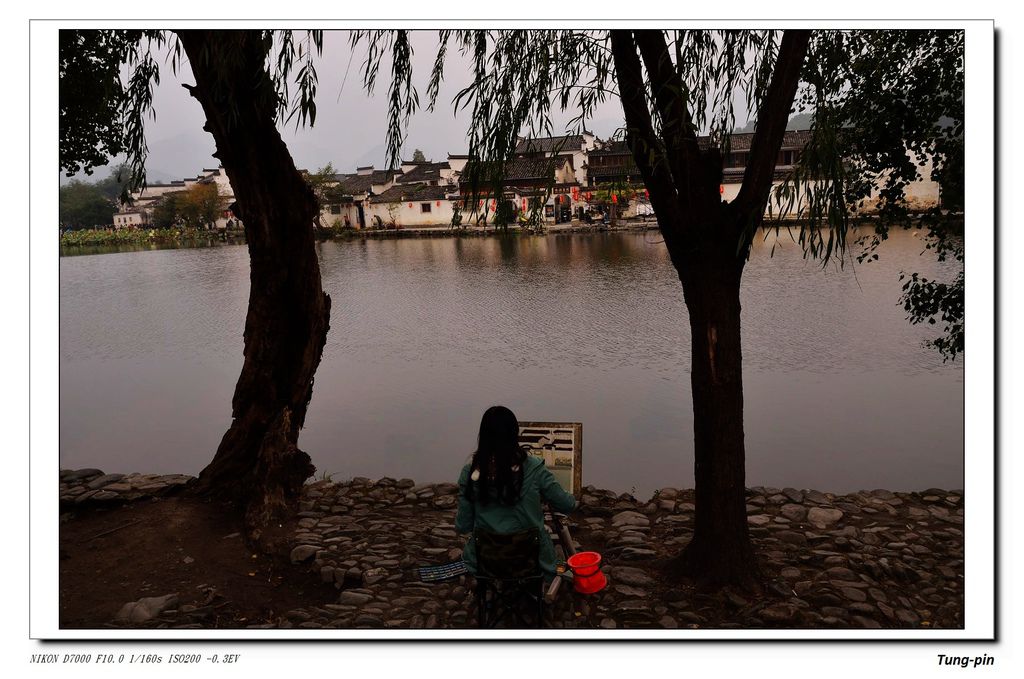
{"type": "Point", "coordinates": [772, 118]}
{"type": "Point", "coordinates": [648, 152]}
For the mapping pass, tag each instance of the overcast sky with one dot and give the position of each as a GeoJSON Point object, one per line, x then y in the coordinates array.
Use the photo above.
{"type": "Point", "coordinates": [350, 127]}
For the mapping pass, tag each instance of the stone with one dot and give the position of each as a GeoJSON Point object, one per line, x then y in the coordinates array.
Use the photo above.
{"type": "Point", "coordinates": [631, 576]}
{"type": "Point", "coordinates": [626, 590]}
{"type": "Point", "coordinates": [104, 480]}
{"type": "Point", "coordinates": [304, 553]}
{"type": "Point", "coordinates": [793, 512]}
{"type": "Point", "coordinates": [815, 497]}
{"type": "Point", "coordinates": [630, 606]}
{"type": "Point", "coordinates": [792, 538]}
{"type": "Point", "coordinates": [353, 598]}
{"type": "Point", "coordinates": [374, 576]}
{"type": "Point", "coordinates": [907, 617]}
{"type": "Point", "coordinates": [759, 520]}
{"type": "Point", "coordinates": [145, 609]}
{"type": "Point", "coordinates": [793, 494]}
{"type": "Point", "coordinates": [668, 622]}
{"type": "Point", "coordinates": [778, 614]}
{"type": "Point", "coordinates": [791, 573]}
{"type": "Point", "coordinates": [608, 623]}
{"type": "Point", "coordinates": [445, 501]}
{"type": "Point", "coordinates": [630, 518]}
{"type": "Point", "coordinates": [668, 494]}
{"type": "Point", "coordinates": [365, 620]}
{"type": "Point", "coordinates": [867, 623]}
{"type": "Point", "coordinates": [841, 573]}
{"type": "Point", "coordinates": [822, 517]}
{"type": "Point", "coordinates": [80, 474]}
{"type": "Point", "coordinates": [853, 594]}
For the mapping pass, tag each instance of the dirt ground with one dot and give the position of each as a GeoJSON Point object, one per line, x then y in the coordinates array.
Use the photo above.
{"type": "Point", "coordinates": [109, 557]}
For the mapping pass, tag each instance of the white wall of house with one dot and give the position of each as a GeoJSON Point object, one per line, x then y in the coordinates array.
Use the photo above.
{"type": "Point", "coordinates": [127, 220]}
{"type": "Point", "coordinates": [921, 195]}
{"type": "Point", "coordinates": [329, 217]}
{"type": "Point", "coordinates": [412, 214]}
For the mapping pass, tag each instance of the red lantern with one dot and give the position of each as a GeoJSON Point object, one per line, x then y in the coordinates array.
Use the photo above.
{"type": "Point", "coordinates": [494, 204]}
{"type": "Point", "coordinates": [588, 195]}
{"type": "Point", "coordinates": [721, 188]}
{"type": "Point", "coordinates": [524, 205]}
{"type": "Point", "coordinates": [439, 203]}
{"type": "Point", "coordinates": [647, 194]}
{"type": "Point", "coordinates": [410, 204]}
{"type": "Point", "coordinates": [615, 198]}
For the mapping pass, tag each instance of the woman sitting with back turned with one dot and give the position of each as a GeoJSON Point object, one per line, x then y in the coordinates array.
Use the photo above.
{"type": "Point", "coordinates": [502, 490]}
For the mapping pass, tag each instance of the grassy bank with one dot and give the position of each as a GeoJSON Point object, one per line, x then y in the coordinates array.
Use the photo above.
{"type": "Point", "coordinates": [135, 236]}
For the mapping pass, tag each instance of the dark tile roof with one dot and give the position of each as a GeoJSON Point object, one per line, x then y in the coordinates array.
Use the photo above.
{"type": "Point", "coordinates": [413, 192]}
{"type": "Point", "coordinates": [530, 169]}
{"type": "Point", "coordinates": [571, 142]}
{"type": "Point", "coordinates": [359, 184]}
{"type": "Point", "coordinates": [614, 148]}
{"type": "Point", "coordinates": [793, 139]}
{"type": "Point", "coordinates": [424, 172]}
{"type": "Point", "coordinates": [616, 171]}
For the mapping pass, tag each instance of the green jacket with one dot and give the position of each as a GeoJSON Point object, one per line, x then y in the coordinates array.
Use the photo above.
{"type": "Point", "coordinates": [539, 485]}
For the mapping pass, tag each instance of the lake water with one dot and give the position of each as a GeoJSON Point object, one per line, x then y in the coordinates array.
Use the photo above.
{"type": "Point", "coordinates": [425, 334]}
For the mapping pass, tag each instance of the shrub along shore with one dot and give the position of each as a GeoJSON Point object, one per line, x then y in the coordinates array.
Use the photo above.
{"type": "Point", "coordinates": [191, 236]}
{"type": "Point", "coordinates": [871, 559]}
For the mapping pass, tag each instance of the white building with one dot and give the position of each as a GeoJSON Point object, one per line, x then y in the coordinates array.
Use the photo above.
{"type": "Point", "coordinates": [413, 205]}
{"type": "Point", "coordinates": [139, 212]}
{"type": "Point", "coordinates": [574, 147]}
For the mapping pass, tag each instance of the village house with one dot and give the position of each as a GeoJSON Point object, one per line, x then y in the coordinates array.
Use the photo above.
{"type": "Point", "coordinates": [546, 183]}
{"type": "Point", "coordinates": [429, 173]}
{"type": "Point", "coordinates": [575, 147]}
{"type": "Point", "coordinates": [412, 205]}
{"type": "Point", "coordinates": [347, 196]}
{"type": "Point", "coordinates": [138, 212]}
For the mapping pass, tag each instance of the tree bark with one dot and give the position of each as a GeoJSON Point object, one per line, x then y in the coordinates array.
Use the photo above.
{"type": "Point", "coordinates": [258, 465]}
{"type": "Point", "coordinates": [720, 552]}
{"type": "Point", "coordinates": [708, 242]}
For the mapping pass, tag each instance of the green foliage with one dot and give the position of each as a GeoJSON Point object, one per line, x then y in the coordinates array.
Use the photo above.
{"type": "Point", "coordinates": [129, 236]}
{"type": "Point", "coordinates": [927, 300]}
{"type": "Point", "coordinates": [165, 212]}
{"type": "Point", "coordinates": [322, 182]}
{"type": "Point", "coordinates": [92, 97]}
{"type": "Point", "coordinates": [102, 116]}
{"type": "Point", "coordinates": [85, 205]}
{"type": "Point", "coordinates": [418, 157]}
{"type": "Point", "coordinates": [195, 207]}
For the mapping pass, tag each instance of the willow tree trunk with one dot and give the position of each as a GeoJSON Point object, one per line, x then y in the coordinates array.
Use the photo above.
{"type": "Point", "coordinates": [708, 241]}
{"type": "Point", "coordinates": [258, 465]}
{"type": "Point", "coordinates": [720, 551]}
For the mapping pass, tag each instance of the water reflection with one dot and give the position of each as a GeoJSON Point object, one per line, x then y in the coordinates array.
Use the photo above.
{"type": "Point", "coordinates": [426, 333]}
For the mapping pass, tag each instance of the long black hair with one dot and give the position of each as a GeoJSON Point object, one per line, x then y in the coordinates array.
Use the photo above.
{"type": "Point", "coordinates": [496, 472]}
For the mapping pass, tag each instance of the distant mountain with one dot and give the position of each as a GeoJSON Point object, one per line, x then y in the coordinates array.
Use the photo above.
{"type": "Point", "coordinates": [801, 121]}
{"type": "Point", "coordinates": [181, 155]}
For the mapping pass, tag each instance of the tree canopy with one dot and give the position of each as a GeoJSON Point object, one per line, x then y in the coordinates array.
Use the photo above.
{"type": "Point", "coordinates": [91, 204]}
